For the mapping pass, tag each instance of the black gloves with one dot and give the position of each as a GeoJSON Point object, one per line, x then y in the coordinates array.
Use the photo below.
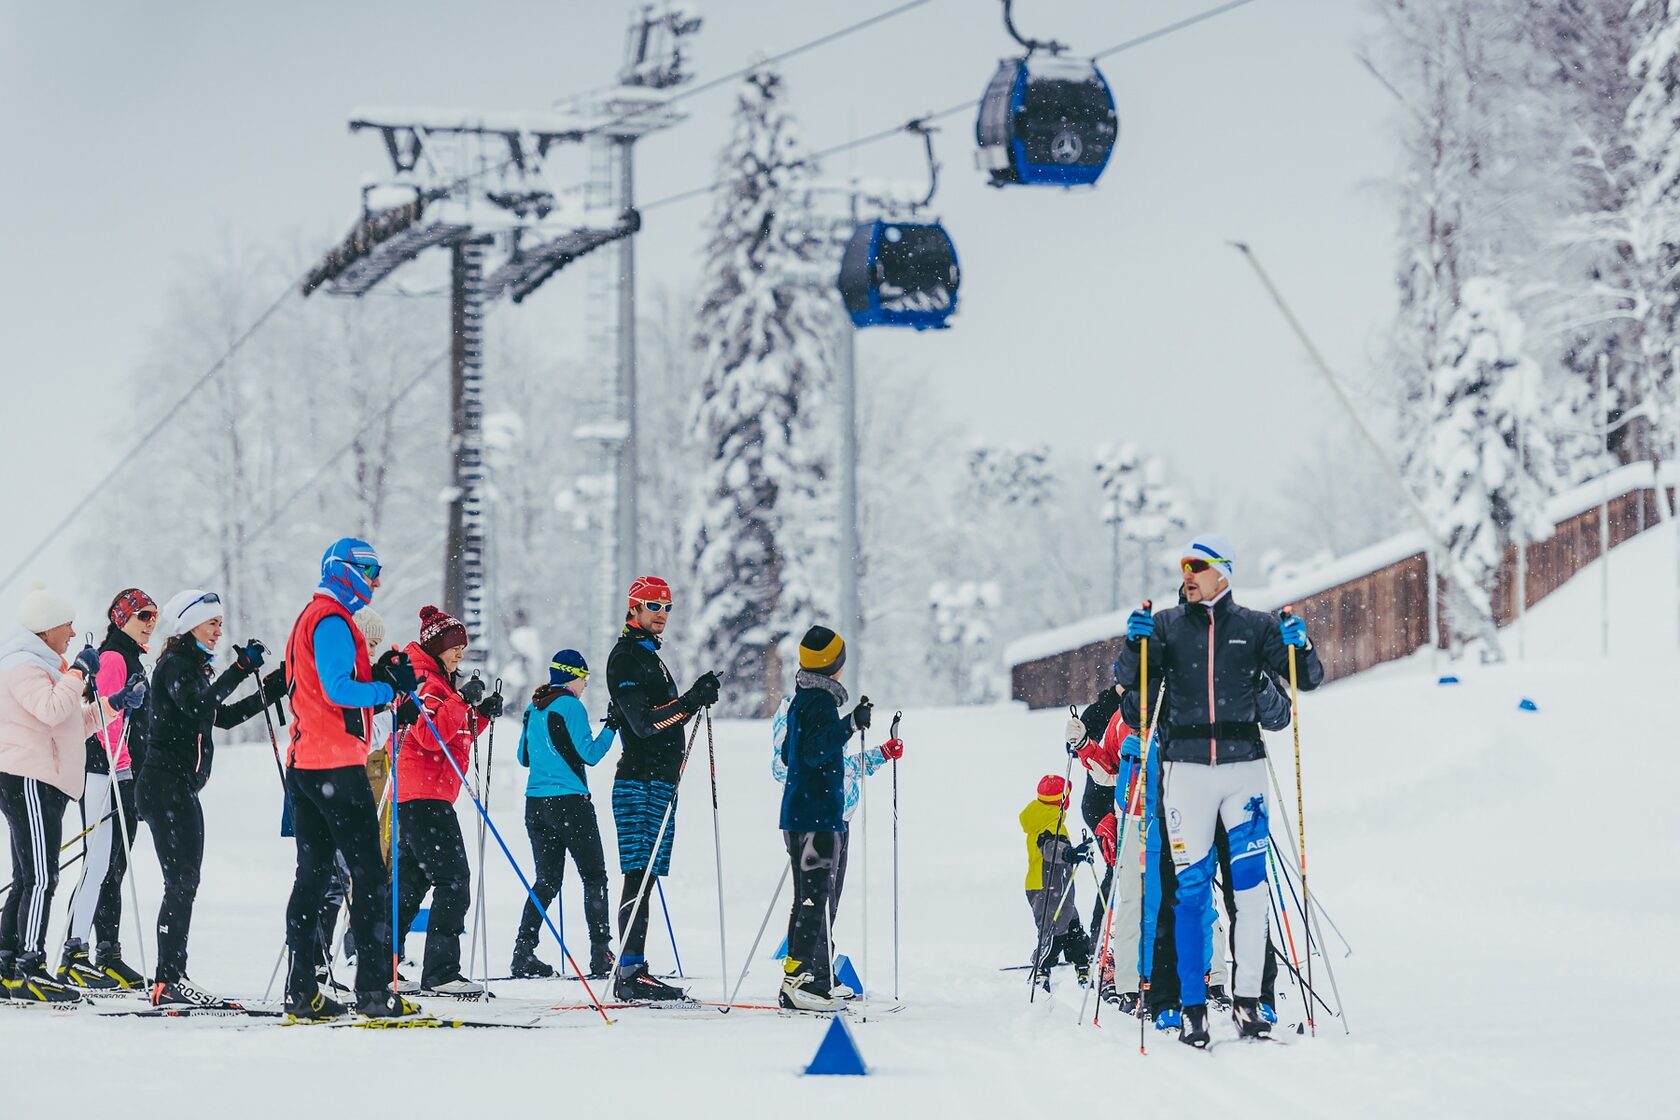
{"type": "Point", "coordinates": [473, 691]}
{"type": "Point", "coordinates": [87, 661]}
{"type": "Point", "coordinates": [491, 706]}
{"type": "Point", "coordinates": [274, 685]}
{"type": "Point", "coordinates": [393, 669]}
{"type": "Point", "coordinates": [1078, 854]}
{"type": "Point", "coordinates": [248, 658]}
{"type": "Point", "coordinates": [408, 712]}
{"type": "Point", "coordinates": [612, 722]}
{"type": "Point", "coordinates": [863, 714]}
{"type": "Point", "coordinates": [703, 693]}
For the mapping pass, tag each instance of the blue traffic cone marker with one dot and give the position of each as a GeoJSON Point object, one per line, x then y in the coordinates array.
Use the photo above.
{"type": "Point", "coordinates": [781, 951]}
{"type": "Point", "coordinates": [846, 973]}
{"type": "Point", "coordinates": [1528, 705]}
{"type": "Point", "coordinates": [838, 1054]}
{"type": "Point", "coordinates": [1448, 679]}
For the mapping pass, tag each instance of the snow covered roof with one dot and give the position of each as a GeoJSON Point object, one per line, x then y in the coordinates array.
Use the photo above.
{"type": "Point", "coordinates": [1104, 627]}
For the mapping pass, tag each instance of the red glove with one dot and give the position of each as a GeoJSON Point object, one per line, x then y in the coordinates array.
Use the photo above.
{"type": "Point", "coordinates": [1107, 830]}
{"type": "Point", "coordinates": [1095, 754]}
{"type": "Point", "coordinates": [893, 749]}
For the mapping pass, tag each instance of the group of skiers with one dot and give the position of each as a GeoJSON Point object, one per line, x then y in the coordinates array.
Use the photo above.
{"type": "Point", "coordinates": [376, 757]}
{"type": "Point", "coordinates": [1195, 799]}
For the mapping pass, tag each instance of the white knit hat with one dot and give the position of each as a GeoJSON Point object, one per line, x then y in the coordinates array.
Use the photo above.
{"type": "Point", "coordinates": [372, 626]}
{"type": "Point", "coordinates": [1215, 549]}
{"type": "Point", "coordinates": [191, 608]}
{"type": "Point", "coordinates": [41, 610]}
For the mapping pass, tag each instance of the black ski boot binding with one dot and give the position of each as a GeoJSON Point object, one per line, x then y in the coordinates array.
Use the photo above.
{"type": "Point", "coordinates": [1194, 1032]}
{"type": "Point", "coordinates": [1250, 1022]}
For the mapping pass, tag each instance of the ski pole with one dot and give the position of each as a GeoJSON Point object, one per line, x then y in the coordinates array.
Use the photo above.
{"type": "Point", "coordinates": [1108, 929]}
{"type": "Point", "coordinates": [397, 932]}
{"type": "Point", "coordinates": [478, 892]}
{"type": "Point", "coordinates": [893, 734]}
{"type": "Point", "coordinates": [753, 952]}
{"type": "Point", "coordinates": [530, 891]}
{"type": "Point", "coordinates": [863, 794]}
{"type": "Point", "coordinates": [672, 933]}
{"type": "Point", "coordinates": [489, 772]}
{"type": "Point", "coordinates": [717, 851]}
{"type": "Point", "coordinates": [1300, 815]}
{"type": "Point", "coordinates": [1283, 917]}
{"type": "Point", "coordinates": [122, 823]}
{"type": "Point", "coordinates": [1315, 935]}
{"type": "Point", "coordinates": [1317, 902]}
{"type": "Point", "coordinates": [1143, 819]}
{"type": "Point", "coordinates": [64, 847]}
{"type": "Point", "coordinates": [659, 838]}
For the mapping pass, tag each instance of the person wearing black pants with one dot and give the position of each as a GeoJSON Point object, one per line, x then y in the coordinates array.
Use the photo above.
{"type": "Point", "coordinates": [558, 746]}
{"type": "Point", "coordinates": [333, 811]}
{"type": "Point", "coordinates": [34, 812]}
{"type": "Point", "coordinates": [186, 702]}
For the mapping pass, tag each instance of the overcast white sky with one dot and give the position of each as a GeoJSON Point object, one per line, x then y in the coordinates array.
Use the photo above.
{"type": "Point", "coordinates": [139, 136]}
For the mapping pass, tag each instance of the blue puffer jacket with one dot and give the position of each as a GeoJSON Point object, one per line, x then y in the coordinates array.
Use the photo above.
{"type": "Point", "coordinates": [814, 752]}
{"type": "Point", "coordinates": [558, 746]}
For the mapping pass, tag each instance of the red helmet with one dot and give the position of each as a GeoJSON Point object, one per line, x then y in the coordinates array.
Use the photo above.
{"type": "Point", "coordinates": [649, 588]}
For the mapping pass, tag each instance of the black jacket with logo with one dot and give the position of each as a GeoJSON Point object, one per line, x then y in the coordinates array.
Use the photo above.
{"type": "Point", "coordinates": [185, 702]}
{"type": "Point", "coordinates": [650, 716]}
{"type": "Point", "coordinates": [1215, 662]}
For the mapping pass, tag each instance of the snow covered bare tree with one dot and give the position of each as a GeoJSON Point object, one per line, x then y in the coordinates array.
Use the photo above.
{"type": "Point", "coordinates": [765, 340]}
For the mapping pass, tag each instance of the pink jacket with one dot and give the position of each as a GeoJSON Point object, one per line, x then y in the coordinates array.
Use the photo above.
{"type": "Point", "coordinates": [113, 675]}
{"type": "Point", "coordinates": [44, 723]}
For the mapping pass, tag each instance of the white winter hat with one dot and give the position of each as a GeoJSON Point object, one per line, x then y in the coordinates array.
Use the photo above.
{"type": "Point", "coordinates": [372, 626]}
{"type": "Point", "coordinates": [190, 608]}
{"type": "Point", "coordinates": [41, 610]}
{"type": "Point", "coordinates": [1215, 549]}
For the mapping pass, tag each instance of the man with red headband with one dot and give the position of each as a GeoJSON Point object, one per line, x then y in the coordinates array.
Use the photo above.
{"type": "Point", "coordinates": [650, 715]}
{"type": "Point", "coordinates": [1214, 657]}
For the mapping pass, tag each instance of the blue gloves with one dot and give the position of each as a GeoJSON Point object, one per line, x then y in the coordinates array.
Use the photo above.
{"type": "Point", "coordinates": [1131, 750]}
{"type": "Point", "coordinates": [132, 695]}
{"type": "Point", "coordinates": [1294, 632]}
{"type": "Point", "coordinates": [87, 662]}
{"type": "Point", "coordinates": [1140, 624]}
{"type": "Point", "coordinates": [248, 658]}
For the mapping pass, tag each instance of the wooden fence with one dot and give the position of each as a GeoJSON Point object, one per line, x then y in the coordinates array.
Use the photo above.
{"type": "Point", "coordinates": [1380, 616]}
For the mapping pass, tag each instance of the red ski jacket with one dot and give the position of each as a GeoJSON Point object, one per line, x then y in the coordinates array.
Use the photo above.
{"type": "Point", "coordinates": [423, 774]}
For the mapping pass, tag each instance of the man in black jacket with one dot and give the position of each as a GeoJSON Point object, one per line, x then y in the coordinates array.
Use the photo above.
{"type": "Point", "coordinates": [650, 715]}
{"type": "Point", "coordinates": [1214, 657]}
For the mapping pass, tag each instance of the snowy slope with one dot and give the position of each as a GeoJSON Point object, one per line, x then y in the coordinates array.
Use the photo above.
{"type": "Point", "coordinates": [1505, 879]}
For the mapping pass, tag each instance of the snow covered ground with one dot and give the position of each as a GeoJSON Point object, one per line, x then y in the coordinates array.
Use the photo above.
{"type": "Point", "coordinates": [1505, 879]}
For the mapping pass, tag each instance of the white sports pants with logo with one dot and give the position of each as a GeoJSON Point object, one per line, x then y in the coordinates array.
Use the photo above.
{"type": "Point", "coordinates": [1196, 796]}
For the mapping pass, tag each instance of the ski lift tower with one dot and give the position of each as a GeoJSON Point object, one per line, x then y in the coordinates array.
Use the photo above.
{"type": "Point", "coordinates": [479, 185]}
{"type": "Point", "coordinates": [654, 64]}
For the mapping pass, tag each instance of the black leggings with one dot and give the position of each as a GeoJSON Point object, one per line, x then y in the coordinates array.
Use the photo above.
{"type": "Point", "coordinates": [433, 856]}
{"type": "Point", "coordinates": [557, 825]}
{"type": "Point", "coordinates": [333, 811]}
{"type": "Point", "coordinates": [34, 812]}
{"type": "Point", "coordinates": [815, 858]}
{"type": "Point", "coordinates": [170, 806]}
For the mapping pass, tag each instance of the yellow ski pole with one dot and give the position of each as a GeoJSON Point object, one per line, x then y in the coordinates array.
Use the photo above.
{"type": "Point", "coordinates": [1300, 815]}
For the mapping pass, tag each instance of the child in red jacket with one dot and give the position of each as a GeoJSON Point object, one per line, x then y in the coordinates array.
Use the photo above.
{"type": "Point", "coordinates": [433, 853]}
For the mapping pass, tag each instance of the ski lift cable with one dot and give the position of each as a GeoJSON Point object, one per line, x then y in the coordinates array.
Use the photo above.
{"type": "Point", "coordinates": [967, 105]}
{"type": "Point", "coordinates": [150, 433]}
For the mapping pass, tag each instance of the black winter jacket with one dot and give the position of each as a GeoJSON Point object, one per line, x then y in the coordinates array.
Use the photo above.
{"type": "Point", "coordinates": [1215, 663]}
{"type": "Point", "coordinates": [117, 641]}
{"type": "Point", "coordinates": [650, 717]}
{"type": "Point", "coordinates": [185, 703]}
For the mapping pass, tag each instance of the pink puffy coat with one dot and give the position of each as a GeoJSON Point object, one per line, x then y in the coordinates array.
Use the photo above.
{"type": "Point", "coordinates": [44, 723]}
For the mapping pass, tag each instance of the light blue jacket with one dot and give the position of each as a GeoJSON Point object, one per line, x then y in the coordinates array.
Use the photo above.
{"type": "Point", "coordinates": [558, 745]}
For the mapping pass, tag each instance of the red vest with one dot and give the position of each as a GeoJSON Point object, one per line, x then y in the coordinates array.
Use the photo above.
{"type": "Point", "coordinates": [324, 735]}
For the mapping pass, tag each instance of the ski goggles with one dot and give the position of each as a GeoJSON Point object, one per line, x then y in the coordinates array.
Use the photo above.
{"type": "Point", "coordinates": [209, 597]}
{"type": "Point", "coordinates": [370, 571]}
{"type": "Point", "coordinates": [1193, 566]}
{"type": "Point", "coordinates": [570, 670]}
{"type": "Point", "coordinates": [655, 606]}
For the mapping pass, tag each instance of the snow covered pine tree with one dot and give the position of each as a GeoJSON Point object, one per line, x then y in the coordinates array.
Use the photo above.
{"type": "Point", "coordinates": [765, 335]}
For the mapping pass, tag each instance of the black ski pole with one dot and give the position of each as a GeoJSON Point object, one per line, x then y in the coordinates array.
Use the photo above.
{"type": "Point", "coordinates": [893, 734]}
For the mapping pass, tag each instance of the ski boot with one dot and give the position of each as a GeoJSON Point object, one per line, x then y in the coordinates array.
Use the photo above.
{"type": "Point", "coordinates": [316, 1008]}
{"type": "Point", "coordinates": [107, 958]}
{"type": "Point", "coordinates": [1083, 973]}
{"type": "Point", "coordinates": [77, 970]}
{"type": "Point", "coordinates": [1194, 1032]}
{"type": "Point", "coordinates": [1127, 1003]}
{"type": "Point", "coordinates": [1217, 997]}
{"type": "Point", "coordinates": [386, 1005]}
{"type": "Point", "coordinates": [1168, 1019]}
{"type": "Point", "coordinates": [634, 984]}
{"type": "Point", "coordinates": [601, 961]}
{"type": "Point", "coordinates": [1251, 1023]}
{"type": "Point", "coordinates": [796, 995]}
{"type": "Point", "coordinates": [525, 964]}
{"type": "Point", "coordinates": [25, 981]}
{"type": "Point", "coordinates": [1268, 1013]}
{"type": "Point", "coordinates": [183, 993]}
{"type": "Point", "coordinates": [403, 986]}
{"type": "Point", "coordinates": [455, 987]}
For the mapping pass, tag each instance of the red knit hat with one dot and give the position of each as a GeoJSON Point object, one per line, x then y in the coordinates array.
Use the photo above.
{"type": "Point", "coordinates": [1052, 788]}
{"type": "Point", "coordinates": [649, 588]}
{"type": "Point", "coordinates": [440, 632]}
